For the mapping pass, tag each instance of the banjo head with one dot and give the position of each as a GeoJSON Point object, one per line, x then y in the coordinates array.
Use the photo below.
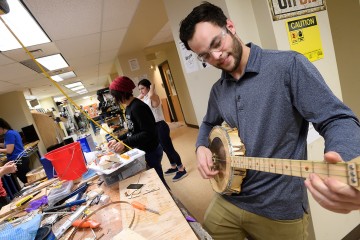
{"type": "Point", "coordinates": [225, 144]}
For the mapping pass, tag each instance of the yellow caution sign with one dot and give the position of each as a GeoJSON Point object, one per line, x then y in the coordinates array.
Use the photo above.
{"type": "Point", "coordinates": [304, 37]}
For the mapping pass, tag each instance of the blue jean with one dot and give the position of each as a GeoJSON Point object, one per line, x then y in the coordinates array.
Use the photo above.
{"type": "Point", "coordinates": [153, 160]}
{"type": "Point", "coordinates": [166, 143]}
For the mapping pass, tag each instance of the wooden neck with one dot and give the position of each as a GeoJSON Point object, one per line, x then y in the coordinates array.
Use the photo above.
{"type": "Point", "coordinates": [346, 172]}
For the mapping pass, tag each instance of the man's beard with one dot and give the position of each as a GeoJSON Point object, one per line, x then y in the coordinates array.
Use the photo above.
{"type": "Point", "coordinates": [235, 53]}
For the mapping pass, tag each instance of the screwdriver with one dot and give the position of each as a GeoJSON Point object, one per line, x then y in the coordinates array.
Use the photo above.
{"type": "Point", "coordinates": [141, 206]}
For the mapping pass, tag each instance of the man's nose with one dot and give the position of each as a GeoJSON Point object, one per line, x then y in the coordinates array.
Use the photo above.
{"type": "Point", "coordinates": [216, 54]}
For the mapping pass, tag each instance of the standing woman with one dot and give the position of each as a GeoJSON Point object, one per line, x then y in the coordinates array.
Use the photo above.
{"type": "Point", "coordinates": [148, 95]}
{"type": "Point", "coordinates": [142, 132]}
{"type": "Point", "coordinates": [12, 147]}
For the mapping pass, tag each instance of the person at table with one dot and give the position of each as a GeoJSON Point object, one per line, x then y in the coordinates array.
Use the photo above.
{"type": "Point", "coordinates": [13, 148]}
{"type": "Point", "coordinates": [9, 167]}
{"type": "Point", "coordinates": [142, 133]}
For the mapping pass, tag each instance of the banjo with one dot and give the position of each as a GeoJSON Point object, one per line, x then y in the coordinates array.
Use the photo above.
{"type": "Point", "coordinates": [228, 154]}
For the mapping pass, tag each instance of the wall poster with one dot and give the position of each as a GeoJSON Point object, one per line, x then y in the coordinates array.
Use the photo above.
{"type": "Point", "coordinates": [304, 37]}
{"type": "Point", "coordinates": [281, 9]}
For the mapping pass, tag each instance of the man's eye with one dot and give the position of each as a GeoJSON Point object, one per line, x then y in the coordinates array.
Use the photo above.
{"type": "Point", "coordinates": [217, 44]}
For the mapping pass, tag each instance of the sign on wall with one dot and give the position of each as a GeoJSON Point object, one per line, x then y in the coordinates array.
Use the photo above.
{"type": "Point", "coordinates": [281, 9]}
{"type": "Point", "coordinates": [304, 37]}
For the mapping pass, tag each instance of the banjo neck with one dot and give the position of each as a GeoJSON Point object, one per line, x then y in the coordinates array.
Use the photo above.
{"type": "Point", "coordinates": [346, 172]}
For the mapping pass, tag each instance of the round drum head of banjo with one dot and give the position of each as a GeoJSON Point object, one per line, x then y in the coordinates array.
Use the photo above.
{"type": "Point", "coordinates": [220, 154]}
{"type": "Point", "coordinates": [225, 144]}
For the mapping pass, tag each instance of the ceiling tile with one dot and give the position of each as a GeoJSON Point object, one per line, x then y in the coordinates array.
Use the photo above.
{"type": "Point", "coordinates": [109, 55]}
{"type": "Point", "coordinates": [79, 46]}
{"type": "Point", "coordinates": [67, 19]}
{"type": "Point", "coordinates": [4, 60]}
{"type": "Point", "coordinates": [84, 61]}
{"type": "Point", "coordinates": [112, 39]}
{"type": "Point", "coordinates": [118, 13]}
{"type": "Point", "coordinates": [14, 71]}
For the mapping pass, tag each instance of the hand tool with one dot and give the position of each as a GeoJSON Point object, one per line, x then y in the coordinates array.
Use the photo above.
{"type": "Point", "coordinates": [61, 230]}
{"type": "Point", "coordinates": [65, 205]}
{"type": "Point", "coordinates": [141, 206]}
{"type": "Point", "coordinates": [80, 223]}
{"type": "Point", "coordinates": [80, 190]}
{"type": "Point", "coordinates": [26, 199]}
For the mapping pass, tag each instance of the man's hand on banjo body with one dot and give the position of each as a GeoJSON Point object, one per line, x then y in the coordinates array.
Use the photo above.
{"type": "Point", "coordinates": [331, 193]}
{"type": "Point", "coordinates": [205, 162]}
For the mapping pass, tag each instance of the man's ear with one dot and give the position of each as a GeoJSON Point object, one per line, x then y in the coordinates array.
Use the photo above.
{"type": "Point", "coordinates": [230, 26]}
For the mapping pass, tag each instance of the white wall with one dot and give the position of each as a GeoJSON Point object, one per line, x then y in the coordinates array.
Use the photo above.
{"type": "Point", "coordinates": [48, 103]}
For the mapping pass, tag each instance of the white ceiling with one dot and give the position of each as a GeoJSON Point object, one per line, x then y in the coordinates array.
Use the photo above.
{"type": "Point", "coordinates": [89, 35]}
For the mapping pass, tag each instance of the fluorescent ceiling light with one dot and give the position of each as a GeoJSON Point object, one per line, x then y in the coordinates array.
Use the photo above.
{"type": "Point", "coordinates": [82, 91]}
{"type": "Point", "coordinates": [77, 88]}
{"type": "Point", "coordinates": [75, 84]}
{"type": "Point", "coordinates": [23, 25]}
{"type": "Point", "coordinates": [53, 62]}
{"type": "Point", "coordinates": [63, 76]}
{"type": "Point", "coordinates": [86, 97]}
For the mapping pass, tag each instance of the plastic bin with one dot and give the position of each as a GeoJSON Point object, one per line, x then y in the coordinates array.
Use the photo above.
{"type": "Point", "coordinates": [124, 172]}
{"type": "Point", "coordinates": [48, 167]}
{"type": "Point", "coordinates": [87, 144]}
{"type": "Point", "coordinates": [56, 194]}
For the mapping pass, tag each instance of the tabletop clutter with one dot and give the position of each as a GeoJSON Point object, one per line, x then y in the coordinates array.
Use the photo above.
{"type": "Point", "coordinates": [56, 206]}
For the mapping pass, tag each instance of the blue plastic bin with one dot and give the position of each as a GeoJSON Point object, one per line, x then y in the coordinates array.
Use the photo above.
{"type": "Point", "coordinates": [87, 144]}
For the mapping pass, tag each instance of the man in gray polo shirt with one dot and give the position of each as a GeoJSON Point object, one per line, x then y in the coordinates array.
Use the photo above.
{"type": "Point", "coordinates": [270, 96]}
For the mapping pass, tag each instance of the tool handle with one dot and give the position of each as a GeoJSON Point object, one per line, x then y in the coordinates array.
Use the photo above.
{"type": "Point", "coordinates": [80, 223]}
{"type": "Point", "coordinates": [138, 205]}
{"type": "Point", "coordinates": [23, 201]}
{"type": "Point", "coordinates": [56, 208]}
{"type": "Point", "coordinates": [80, 189]}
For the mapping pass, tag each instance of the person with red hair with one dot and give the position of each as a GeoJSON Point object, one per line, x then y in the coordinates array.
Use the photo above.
{"type": "Point", "coordinates": [142, 133]}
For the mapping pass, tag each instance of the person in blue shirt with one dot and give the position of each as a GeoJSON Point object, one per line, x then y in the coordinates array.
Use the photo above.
{"type": "Point", "coordinates": [270, 96]}
{"type": "Point", "coordinates": [13, 147]}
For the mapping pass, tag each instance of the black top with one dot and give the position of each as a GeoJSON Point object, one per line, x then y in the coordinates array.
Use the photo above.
{"type": "Point", "coordinates": [142, 132]}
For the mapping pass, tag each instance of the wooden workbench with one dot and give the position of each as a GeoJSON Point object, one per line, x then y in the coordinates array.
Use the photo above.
{"type": "Point", "coordinates": [170, 224]}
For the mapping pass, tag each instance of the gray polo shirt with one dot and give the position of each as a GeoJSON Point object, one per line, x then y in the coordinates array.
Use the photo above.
{"type": "Point", "coordinates": [272, 105]}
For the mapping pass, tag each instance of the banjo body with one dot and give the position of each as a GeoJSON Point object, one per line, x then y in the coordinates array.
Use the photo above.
{"type": "Point", "coordinates": [224, 144]}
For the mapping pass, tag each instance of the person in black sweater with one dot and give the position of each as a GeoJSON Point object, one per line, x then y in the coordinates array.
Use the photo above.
{"type": "Point", "coordinates": [142, 133]}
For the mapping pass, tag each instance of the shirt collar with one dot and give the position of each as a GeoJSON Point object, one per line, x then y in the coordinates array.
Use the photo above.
{"type": "Point", "coordinates": [253, 64]}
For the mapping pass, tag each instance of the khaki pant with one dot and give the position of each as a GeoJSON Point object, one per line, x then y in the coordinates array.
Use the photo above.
{"type": "Point", "coordinates": [223, 220]}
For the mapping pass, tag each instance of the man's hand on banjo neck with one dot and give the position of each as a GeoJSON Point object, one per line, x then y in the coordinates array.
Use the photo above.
{"type": "Point", "coordinates": [332, 194]}
{"type": "Point", "coordinates": [205, 162]}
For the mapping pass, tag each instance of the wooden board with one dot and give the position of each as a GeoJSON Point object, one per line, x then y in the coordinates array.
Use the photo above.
{"type": "Point", "coordinates": [35, 174]}
{"type": "Point", "coordinates": [128, 234]}
{"type": "Point", "coordinates": [170, 224]}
